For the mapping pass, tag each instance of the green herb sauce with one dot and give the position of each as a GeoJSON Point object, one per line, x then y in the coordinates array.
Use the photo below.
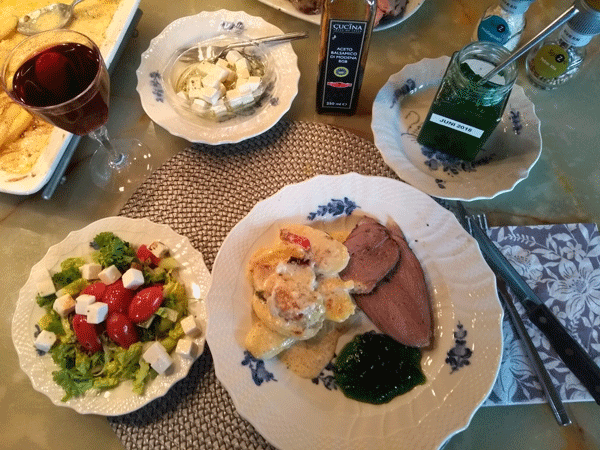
{"type": "Point", "coordinates": [374, 368]}
{"type": "Point", "coordinates": [465, 107]}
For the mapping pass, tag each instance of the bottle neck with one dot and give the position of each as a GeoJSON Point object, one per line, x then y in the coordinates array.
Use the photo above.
{"type": "Point", "coordinates": [571, 38]}
{"type": "Point", "coordinates": [516, 6]}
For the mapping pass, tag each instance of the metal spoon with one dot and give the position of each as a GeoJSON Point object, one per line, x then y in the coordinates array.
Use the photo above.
{"type": "Point", "coordinates": [57, 15]}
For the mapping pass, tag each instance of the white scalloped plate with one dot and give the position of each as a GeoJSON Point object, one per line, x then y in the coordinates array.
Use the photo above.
{"type": "Point", "coordinates": [506, 159]}
{"type": "Point", "coordinates": [387, 22]}
{"type": "Point", "coordinates": [299, 414]}
{"type": "Point", "coordinates": [120, 400]}
{"type": "Point", "coordinates": [186, 31]}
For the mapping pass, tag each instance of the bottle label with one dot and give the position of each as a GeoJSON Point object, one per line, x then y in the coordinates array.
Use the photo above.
{"type": "Point", "coordinates": [494, 29]}
{"type": "Point", "coordinates": [344, 50]}
{"type": "Point", "coordinates": [573, 38]}
{"type": "Point", "coordinates": [455, 125]}
{"type": "Point", "coordinates": [551, 61]}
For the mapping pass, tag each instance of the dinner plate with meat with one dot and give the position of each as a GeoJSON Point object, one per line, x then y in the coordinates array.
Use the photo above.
{"type": "Point", "coordinates": [337, 308]}
{"type": "Point", "coordinates": [389, 12]}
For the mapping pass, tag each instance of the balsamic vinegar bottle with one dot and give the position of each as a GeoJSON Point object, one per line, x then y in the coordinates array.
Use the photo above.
{"type": "Point", "coordinates": [346, 27]}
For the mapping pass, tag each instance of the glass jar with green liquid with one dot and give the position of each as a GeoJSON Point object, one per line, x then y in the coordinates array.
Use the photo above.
{"type": "Point", "coordinates": [465, 112]}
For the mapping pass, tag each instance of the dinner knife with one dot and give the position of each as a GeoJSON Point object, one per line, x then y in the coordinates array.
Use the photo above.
{"type": "Point", "coordinates": [567, 348]}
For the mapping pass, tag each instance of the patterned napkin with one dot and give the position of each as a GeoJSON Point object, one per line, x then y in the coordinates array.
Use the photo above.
{"type": "Point", "coordinates": [561, 264]}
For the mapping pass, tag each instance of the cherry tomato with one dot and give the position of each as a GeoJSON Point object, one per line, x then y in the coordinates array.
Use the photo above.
{"type": "Point", "coordinates": [96, 289]}
{"type": "Point", "coordinates": [117, 297]}
{"type": "Point", "coordinates": [295, 239]}
{"type": "Point", "coordinates": [86, 333]}
{"type": "Point", "coordinates": [121, 330]}
{"type": "Point", "coordinates": [145, 255]}
{"type": "Point", "coordinates": [145, 303]}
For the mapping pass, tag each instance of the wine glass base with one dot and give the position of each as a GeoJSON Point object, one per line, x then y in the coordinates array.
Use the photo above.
{"type": "Point", "coordinates": [133, 166]}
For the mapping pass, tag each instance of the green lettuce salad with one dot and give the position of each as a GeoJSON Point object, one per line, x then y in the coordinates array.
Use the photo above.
{"type": "Point", "coordinates": [79, 370]}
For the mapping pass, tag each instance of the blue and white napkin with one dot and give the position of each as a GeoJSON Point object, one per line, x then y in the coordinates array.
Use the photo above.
{"type": "Point", "coordinates": [561, 263]}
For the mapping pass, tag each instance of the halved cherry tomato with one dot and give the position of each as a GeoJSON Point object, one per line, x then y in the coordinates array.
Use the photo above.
{"type": "Point", "coordinates": [295, 239]}
{"type": "Point", "coordinates": [145, 303]}
{"type": "Point", "coordinates": [86, 333]}
{"type": "Point", "coordinates": [121, 330]}
{"type": "Point", "coordinates": [144, 255]}
{"type": "Point", "coordinates": [96, 289]}
{"type": "Point", "coordinates": [117, 297]}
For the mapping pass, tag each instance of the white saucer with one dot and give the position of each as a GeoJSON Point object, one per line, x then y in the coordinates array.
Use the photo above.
{"type": "Point", "coordinates": [506, 159]}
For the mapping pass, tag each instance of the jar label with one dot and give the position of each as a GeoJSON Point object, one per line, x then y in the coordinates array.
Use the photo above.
{"type": "Point", "coordinates": [551, 61]}
{"type": "Point", "coordinates": [344, 51]}
{"type": "Point", "coordinates": [494, 29]}
{"type": "Point", "coordinates": [455, 125]}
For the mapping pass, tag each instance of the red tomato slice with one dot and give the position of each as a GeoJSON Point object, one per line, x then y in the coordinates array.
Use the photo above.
{"type": "Point", "coordinates": [121, 330]}
{"type": "Point", "coordinates": [117, 297]}
{"type": "Point", "coordinates": [145, 303]}
{"type": "Point", "coordinates": [86, 333]}
{"type": "Point", "coordinates": [96, 289]}
{"type": "Point", "coordinates": [295, 239]}
{"type": "Point", "coordinates": [144, 255]}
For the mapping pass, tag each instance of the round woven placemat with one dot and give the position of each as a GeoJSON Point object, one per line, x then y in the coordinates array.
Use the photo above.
{"type": "Point", "coordinates": [202, 192]}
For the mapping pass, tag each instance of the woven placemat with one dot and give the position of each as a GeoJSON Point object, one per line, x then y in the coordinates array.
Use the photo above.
{"type": "Point", "coordinates": [202, 192]}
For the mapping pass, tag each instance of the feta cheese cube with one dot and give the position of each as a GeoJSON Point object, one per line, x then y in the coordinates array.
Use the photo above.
{"type": "Point", "coordinates": [82, 302]}
{"type": "Point", "coordinates": [194, 87]}
{"type": "Point", "coordinates": [182, 95]}
{"type": "Point", "coordinates": [222, 63]}
{"type": "Point", "coordinates": [190, 327]}
{"type": "Point", "coordinates": [90, 271]}
{"type": "Point", "coordinates": [186, 348]}
{"type": "Point", "coordinates": [109, 275]}
{"type": "Point", "coordinates": [219, 108]}
{"type": "Point", "coordinates": [156, 355]}
{"type": "Point", "coordinates": [64, 305]}
{"type": "Point", "coordinates": [242, 64]}
{"type": "Point", "coordinates": [158, 249]}
{"type": "Point", "coordinates": [200, 106]}
{"type": "Point", "coordinates": [249, 85]}
{"type": "Point", "coordinates": [45, 285]}
{"type": "Point", "coordinates": [220, 73]}
{"type": "Point", "coordinates": [204, 68]}
{"type": "Point", "coordinates": [212, 95]}
{"type": "Point", "coordinates": [211, 81]}
{"type": "Point", "coordinates": [133, 278]}
{"type": "Point", "coordinates": [237, 99]}
{"type": "Point", "coordinates": [97, 312]}
{"type": "Point", "coordinates": [243, 74]}
{"type": "Point", "coordinates": [45, 340]}
{"type": "Point", "coordinates": [233, 56]}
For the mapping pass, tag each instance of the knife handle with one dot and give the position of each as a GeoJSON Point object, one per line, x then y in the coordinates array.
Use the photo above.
{"type": "Point", "coordinates": [574, 357]}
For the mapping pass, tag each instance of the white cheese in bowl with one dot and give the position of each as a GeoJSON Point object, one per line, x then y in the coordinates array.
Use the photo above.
{"type": "Point", "coordinates": [219, 89]}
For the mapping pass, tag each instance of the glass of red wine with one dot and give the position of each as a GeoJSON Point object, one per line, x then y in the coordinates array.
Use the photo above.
{"type": "Point", "coordinates": [60, 76]}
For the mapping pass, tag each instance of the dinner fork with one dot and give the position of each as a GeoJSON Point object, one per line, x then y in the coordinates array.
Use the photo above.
{"type": "Point", "coordinates": [211, 52]}
{"type": "Point", "coordinates": [542, 374]}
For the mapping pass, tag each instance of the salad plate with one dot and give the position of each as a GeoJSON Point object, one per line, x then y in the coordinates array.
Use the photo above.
{"type": "Point", "coordinates": [386, 22]}
{"type": "Point", "coordinates": [193, 273]}
{"type": "Point", "coordinates": [34, 179]}
{"type": "Point", "coordinates": [187, 31]}
{"type": "Point", "coordinates": [460, 367]}
{"type": "Point", "coordinates": [399, 110]}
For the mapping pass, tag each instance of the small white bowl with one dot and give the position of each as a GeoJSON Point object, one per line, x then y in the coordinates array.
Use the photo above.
{"type": "Point", "coordinates": [184, 33]}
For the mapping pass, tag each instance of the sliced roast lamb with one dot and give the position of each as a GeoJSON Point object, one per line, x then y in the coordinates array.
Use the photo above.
{"type": "Point", "coordinates": [373, 254]}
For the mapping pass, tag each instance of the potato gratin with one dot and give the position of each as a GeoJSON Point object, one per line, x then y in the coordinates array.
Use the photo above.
{"type": "Point", "coordinates": [298, 295]}
{"type": "Point", "coordinates": [24, 137]}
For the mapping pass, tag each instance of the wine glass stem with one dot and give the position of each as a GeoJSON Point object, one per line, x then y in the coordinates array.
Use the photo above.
{"type": "Point", "coordinates": [116, 159]}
